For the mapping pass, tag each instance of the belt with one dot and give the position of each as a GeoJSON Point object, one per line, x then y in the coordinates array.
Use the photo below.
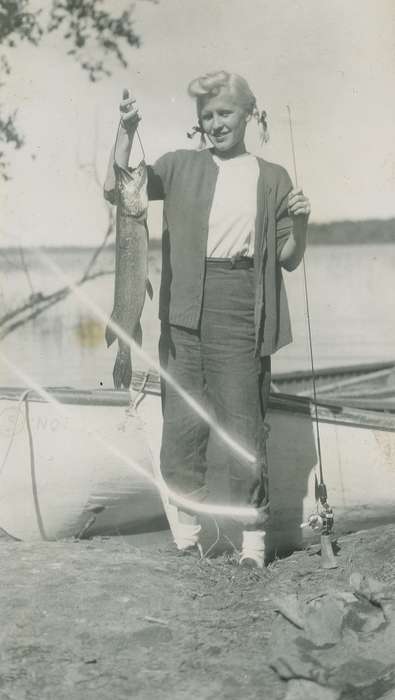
{"type": "Point", "coordinates": [236, 263]}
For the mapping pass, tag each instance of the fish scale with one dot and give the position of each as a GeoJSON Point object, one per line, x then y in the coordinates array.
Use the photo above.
{"type": "Point", "coordinates": [131, 264]}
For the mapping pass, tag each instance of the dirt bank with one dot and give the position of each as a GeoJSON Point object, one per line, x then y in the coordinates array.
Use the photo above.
{"type": "Point", "coordinates": [107, 619]}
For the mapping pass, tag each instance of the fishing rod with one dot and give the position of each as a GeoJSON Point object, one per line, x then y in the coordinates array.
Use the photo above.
{"type": "Point", "coordinates": [325, 519]}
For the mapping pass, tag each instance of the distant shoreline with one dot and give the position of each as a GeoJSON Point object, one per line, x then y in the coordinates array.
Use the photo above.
{"type": "Point", "coordinates": [352, 232]}
{"type": "Point", "coordinates": [372, 231]}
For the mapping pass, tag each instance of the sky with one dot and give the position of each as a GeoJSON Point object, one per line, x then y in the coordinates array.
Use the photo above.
{"type": "Point", "coordinates": [332, 61]}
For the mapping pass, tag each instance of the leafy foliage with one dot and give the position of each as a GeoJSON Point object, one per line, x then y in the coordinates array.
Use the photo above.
{"type": "Point", "coordinates": [90, 34]}
{"type": "Point", "coordinates": [85, 25]}
{"type": "Point", "coordinates": [8, 134]}
{"type": "Point", "coordinates": [17, 22]}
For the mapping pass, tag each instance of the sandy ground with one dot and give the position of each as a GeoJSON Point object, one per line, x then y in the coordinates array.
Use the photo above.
{"type": "Point", "coordinates": [114, 618]}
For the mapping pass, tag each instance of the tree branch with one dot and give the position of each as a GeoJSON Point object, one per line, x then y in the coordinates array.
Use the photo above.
{"type": "Point", "coordinates": [43, 302]}
{"type": "Point", "coordinates": [95, 38]}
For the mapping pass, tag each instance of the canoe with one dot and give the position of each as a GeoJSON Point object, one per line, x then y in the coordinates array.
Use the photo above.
{"type": "Point", "coordinates": [369, 385]}
{"type": "Point", "coordinates": [64, 468]}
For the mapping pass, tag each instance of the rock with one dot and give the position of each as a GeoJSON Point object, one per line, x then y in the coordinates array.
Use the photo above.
{"type": "Point", "coordinates": [324, 620]}
{"type": "Point", "coordinates": [332, 644]}
{"type": "Point", "coordinates": [364, 618]}
{"type": "Point", "coordinates": [374, 591]}
{"type": "Point", "coordinates": [292, 657]}
{"type": "Point", "coordinates": [363, 679]}
{"type": "Point", "coordinates": [308, 690]}
{"type": "Point", "coordinates": [291, 608]}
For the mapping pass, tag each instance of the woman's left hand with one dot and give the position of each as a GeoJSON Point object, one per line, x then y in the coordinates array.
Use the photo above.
{"type": "Point", "coordinates": [298, 203]}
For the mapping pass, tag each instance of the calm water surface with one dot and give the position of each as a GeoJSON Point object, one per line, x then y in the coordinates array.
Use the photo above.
{"type": "Point", "coordinates": [352, 305]}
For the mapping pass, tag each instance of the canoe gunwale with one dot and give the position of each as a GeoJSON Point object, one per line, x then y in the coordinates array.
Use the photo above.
{"type": "Point", "coordinates": [349, 370]}
{"type": "Point", "coordinates": [328, 411]}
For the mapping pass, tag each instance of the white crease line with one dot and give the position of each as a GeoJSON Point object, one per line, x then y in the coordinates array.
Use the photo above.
{"type": "Point", "coordinates": [97, 311]}
{"type": "Point", "coordinates": [246, 513]}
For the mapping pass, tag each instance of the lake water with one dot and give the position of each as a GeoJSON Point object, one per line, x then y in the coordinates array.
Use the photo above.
{"type": "Point", "coordinates": [352, 304]}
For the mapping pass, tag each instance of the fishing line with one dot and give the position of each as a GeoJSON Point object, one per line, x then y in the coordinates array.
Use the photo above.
{"type": "Point", "coordinates": [306, 294]}
{"type": "Point", "coordinates": [121, 122]}
{"type": "Point", "coordinates": [137, 134]}
{"type": "Point", "coordinates": [322, 520]}
{"type": "Point", "coordinates": [141, 143]}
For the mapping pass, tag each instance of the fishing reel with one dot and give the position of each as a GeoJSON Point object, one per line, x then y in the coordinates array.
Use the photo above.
{"type": "Point", "coordinates": [321, 521]}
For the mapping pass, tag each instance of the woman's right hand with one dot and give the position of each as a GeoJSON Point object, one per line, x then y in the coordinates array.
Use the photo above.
{"type": "Point", "coordinates": [130, 116]}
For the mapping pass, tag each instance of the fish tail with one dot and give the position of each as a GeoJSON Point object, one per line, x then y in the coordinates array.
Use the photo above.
{"type": "Point", "coordinates": [138, 334]}
{"type": "Point", "coordinates": [110, 334]}
{"type": "Point", "coordinates": [122, 372]}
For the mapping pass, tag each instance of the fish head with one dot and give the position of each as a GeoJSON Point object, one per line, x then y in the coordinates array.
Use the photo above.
{"type": "Point", "coordinates": [132, 189]}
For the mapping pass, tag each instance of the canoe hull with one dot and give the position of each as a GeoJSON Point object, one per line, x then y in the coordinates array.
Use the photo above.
{"type": "Point", "coordinates": [359, 472]}
{"type": "Point", "coordinates": [66, 473]}
{"type": "Point", "coordinates": [53, 485]}
{"type": "Point", "coordinates": [362, 386]}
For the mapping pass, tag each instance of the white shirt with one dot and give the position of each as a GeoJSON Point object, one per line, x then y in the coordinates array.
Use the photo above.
{"type": "Point", "coordinates": [233, 211]}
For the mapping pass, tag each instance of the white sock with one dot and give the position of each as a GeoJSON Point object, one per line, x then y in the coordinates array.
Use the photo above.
{"type": "Point", "coordinates": [185, 528]}
{"type": "Point", "coordinates": [253, 546]}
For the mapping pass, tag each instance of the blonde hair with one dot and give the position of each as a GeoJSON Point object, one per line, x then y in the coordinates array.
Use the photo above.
{"type": "Point", "coordinates": [211, 84]}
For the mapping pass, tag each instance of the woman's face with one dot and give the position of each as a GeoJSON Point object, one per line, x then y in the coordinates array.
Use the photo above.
{"type": "Point", "coordinates": [224, 121]}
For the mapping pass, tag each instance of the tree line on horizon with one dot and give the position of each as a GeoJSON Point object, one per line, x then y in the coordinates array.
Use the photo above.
{"type": "Point", "coordinates": [339, 233]}
{"type": "Point", "coordinates": [332, 233]}
{"type": "Point", "coordinates": [352, 232]}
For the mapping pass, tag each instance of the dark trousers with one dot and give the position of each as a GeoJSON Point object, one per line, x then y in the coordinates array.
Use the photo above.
{"type": "Point", "coordinates": [217, 366]}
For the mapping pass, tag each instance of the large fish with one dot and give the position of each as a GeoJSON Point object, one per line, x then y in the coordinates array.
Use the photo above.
{"type": "Point", "coordinates": [131, 265]}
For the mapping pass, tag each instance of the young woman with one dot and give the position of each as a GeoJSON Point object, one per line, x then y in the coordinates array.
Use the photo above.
{"type": "Point", "coordinates": [231, 222]}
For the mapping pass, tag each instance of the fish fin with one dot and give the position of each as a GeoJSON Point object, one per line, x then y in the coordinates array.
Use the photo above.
{"type": "Point", "coordinates": [138, 334]}
{"type": "Point", "coordinates": [110, 335]}
{"type": "Point", "coordinates": [150, 291]}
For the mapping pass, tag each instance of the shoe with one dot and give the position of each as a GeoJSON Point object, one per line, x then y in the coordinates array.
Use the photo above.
{"type": "Point", "coordinates": [184, 527]}
{"type": "Point", "coordinates": [253, 549]}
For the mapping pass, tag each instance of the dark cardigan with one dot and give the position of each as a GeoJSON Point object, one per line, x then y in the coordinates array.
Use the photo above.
{"type": "Point", "coordinates": [186, 180]}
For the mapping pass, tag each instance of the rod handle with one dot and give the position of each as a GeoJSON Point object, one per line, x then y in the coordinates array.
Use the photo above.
{"type": "Point", "coordinates": [328, 560]}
